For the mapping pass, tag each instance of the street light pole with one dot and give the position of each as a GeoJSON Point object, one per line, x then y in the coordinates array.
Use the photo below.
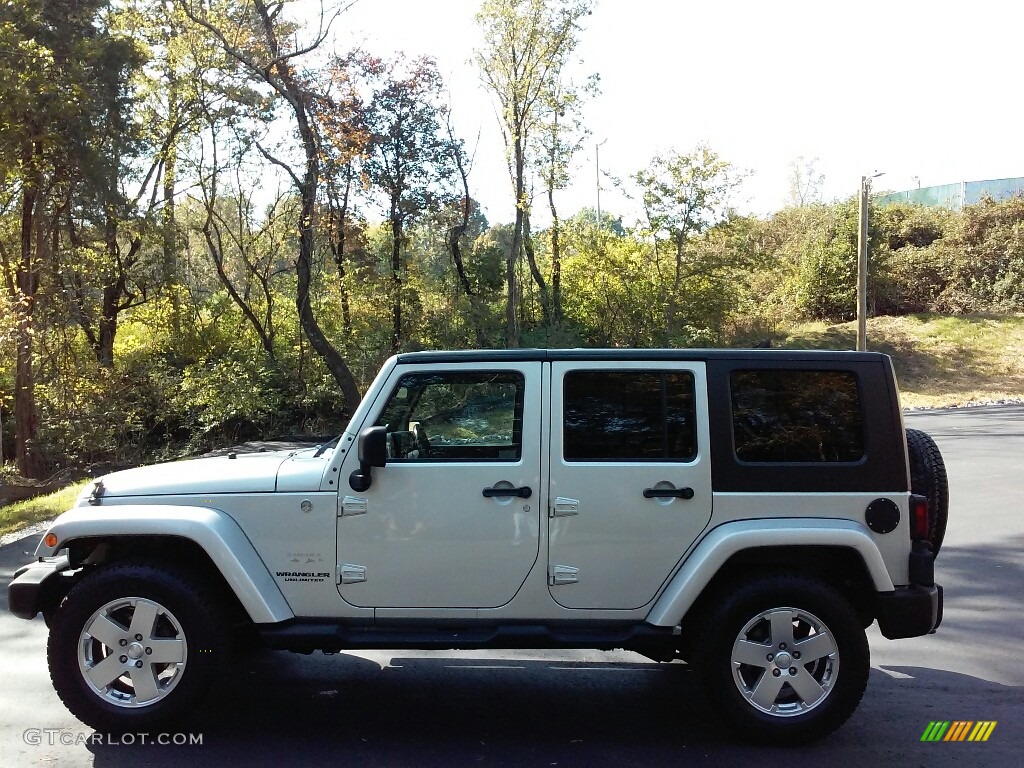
{"type": "Point", "coordinates": [862, 263]}
{"type": "Point", "coordinates": [597, 173]}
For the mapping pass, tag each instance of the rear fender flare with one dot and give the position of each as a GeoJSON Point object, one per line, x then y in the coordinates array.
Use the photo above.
{"type": "Point", "coordinates": [721, 543]}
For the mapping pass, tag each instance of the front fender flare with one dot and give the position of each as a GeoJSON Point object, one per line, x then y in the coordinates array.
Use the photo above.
{"type": "Point", "coordinates": [726, 540]}
{"type": "Point", "coordinates": [216, 533]}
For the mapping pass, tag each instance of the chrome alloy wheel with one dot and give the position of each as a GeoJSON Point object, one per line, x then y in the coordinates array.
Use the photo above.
{"type": "Point", "coordinates": [132, 652]}
{"type": "Point", "coordinates": [785, 662]}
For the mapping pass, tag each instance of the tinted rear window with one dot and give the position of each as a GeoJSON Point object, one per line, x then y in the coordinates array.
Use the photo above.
{"type": "Point", "coordinates": [796, 416]}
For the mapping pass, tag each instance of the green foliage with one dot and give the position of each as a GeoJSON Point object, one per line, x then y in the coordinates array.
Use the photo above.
{"type": "Point", "coordinates": [225, 395]}
{"type": "Point", "coordinates": [983, 259]}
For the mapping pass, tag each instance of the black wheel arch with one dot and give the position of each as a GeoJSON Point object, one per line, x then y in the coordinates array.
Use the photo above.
{"type": "Point", "coordinates": [840, 567]}
{"type": "Point", "coordinates": [88, 553]}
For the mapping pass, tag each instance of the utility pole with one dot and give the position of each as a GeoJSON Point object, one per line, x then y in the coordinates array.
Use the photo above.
{"type": "Point", "coordinates": [597, 173]}
{"type": "Point", "coordinates": [862, 263]}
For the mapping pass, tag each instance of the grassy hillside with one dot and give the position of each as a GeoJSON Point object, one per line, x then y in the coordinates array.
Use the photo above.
{"type": "Point", "coordinates": [14, 517]}
{"type": "Point", "coordinates": [940, 360]}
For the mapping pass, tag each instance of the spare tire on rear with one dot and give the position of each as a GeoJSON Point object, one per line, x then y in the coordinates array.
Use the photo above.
{"type": "Point", "coordinates": [928, 479]}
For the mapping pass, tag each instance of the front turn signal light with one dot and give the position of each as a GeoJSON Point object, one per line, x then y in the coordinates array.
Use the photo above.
{"type": "Point", "coordinates": [50, 540]}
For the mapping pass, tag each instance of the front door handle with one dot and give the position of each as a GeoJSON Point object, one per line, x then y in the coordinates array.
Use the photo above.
{"type": "Point", "coordinates": [522, 493]}
{"type": "Point", "coordinates": [668, 493]}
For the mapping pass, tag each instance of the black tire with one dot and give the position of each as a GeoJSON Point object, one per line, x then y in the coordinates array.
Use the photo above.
{"type": "Point", "coordinates": [115, 602]}
{"type": "Point", "coordinates": [741, 618]}
{"type": "Point", "coordinates": [928, 479]}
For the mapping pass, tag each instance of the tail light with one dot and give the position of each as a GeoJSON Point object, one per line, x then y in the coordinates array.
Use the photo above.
{"type": "Point", "coordinates": [918, 517]}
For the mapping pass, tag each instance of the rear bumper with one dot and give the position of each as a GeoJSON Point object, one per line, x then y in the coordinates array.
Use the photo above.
{"type": "Point", "coordinates": [909, 611]}
{"type": "Point", "coordinates": [36, 586]}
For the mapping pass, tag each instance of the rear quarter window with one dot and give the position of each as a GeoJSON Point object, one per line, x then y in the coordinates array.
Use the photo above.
{"type": "Point", "coordinates": [796, 416]}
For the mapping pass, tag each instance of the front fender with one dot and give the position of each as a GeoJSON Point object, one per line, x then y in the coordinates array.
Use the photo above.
{"type": "Point", "coordinates": [218, 535]}
{"type": "Point", "coordinates": [726, 540]}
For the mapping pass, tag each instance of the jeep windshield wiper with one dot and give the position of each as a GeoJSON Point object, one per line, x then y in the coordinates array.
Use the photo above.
{"type": "Point", "coordinates": [329, 444]}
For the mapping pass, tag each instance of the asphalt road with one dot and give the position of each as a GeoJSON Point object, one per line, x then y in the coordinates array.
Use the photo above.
{"type": "Point", "coordinates": [591, 708]}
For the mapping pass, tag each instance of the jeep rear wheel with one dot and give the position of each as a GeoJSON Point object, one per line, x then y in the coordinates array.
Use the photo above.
{"type": "Point", "coordinates": [784, 657]}
{"type": "Point", "coordinates": [134, 645]}
{"type": "Point", "coordinates": [928, 479]}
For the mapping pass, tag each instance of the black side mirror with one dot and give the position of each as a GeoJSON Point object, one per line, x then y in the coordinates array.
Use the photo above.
{"type": "Point", "coordinates": [373, 452]}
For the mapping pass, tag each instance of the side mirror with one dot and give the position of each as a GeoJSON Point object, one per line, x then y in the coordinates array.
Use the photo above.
{"type": "Point", "coordinates": [373, 452]}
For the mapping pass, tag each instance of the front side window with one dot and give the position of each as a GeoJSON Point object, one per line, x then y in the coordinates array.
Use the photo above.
{"type": "Point", "coordinates": [796, 416]}
{"type": "Point", "coordinates": [628, 415]}
{"type": "Point", "coordinates": [455, 416]}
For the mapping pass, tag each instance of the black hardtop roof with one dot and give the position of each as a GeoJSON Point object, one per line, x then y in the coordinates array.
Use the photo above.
{"type": "Point", "coordinates": [547, 355]}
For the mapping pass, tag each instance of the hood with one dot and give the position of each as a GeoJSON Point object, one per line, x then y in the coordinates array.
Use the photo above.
{"type": "Point", "coordinates": [248, 473]}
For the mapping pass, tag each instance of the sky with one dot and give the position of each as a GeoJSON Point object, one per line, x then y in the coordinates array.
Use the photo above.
{"type": "Point", "coordinates": [924, 92]}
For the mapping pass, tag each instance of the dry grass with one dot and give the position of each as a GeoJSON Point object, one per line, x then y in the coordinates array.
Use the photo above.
{"type": "Point", "coordinates": [940, 360]}
{"type": "Point", "coordinates": [14, 517]}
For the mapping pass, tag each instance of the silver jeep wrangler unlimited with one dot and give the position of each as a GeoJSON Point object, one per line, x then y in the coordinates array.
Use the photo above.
{"type": "Point", "coordinates": [748, 512]}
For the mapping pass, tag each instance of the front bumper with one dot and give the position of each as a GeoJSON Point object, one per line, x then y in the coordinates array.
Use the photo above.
{"type": "Point", "coordinates": [909, 611]}
{"type": "Point", "coordinates": [37, 587]}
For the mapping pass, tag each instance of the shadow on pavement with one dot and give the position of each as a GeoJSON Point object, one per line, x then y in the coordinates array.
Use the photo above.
{"type": "Point", "coordinates": [427, 711]}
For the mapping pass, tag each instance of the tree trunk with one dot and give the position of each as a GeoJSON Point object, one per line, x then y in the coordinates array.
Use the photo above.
{"type": "Point", "coordinates": [538, 278]}
{"type": "Point", "coordinates": [679, 240]}
{"type": "Point", "coordinates": [512, 299]}
{"type": "Point", "coordinates": [556, 260]}
{"type": "Point", "coordinates": [454, 236]}
{"type": "Point", "coordinates": [396, 278]}
{"type": "Point", "coordinates": [338, 248]}
{"type": "Point", "coordinates": [304, 270]}
{"type": "Point", "coordinates": [332, 359]}
{"type": "Point", "coordinates": [512, 305]}
{"type": "Point", "coordinates": [307, 187]}
{"type": "Point", "coordinates": [112, 290]}
{"type": "Point", "coordinates": [26, 426]}
{"type": "Point", "coordinates": [170, 234]}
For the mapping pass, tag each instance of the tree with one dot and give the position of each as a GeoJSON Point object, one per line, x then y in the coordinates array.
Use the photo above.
{"type": "Point", "coordinates": [526, 42]}
{"type": "Point", "coordinates": [805, 181]}
{"type": "Point", "coordinates": [342, 114]}
{"type": "Point", "coordinates": [233, 239]}
{"type": "Point", "coordinates": [559, 138]}
{"type": "Point", "coordinates": [409, 158]}
{"type": "Point", "coordinates": [63, 107]}
{"type": "Point", "coordinates": [104, 224]}
{"type": "Point", "coordinates": [265, 45]}
{"type": "Point", "coordinates": [682, 196]}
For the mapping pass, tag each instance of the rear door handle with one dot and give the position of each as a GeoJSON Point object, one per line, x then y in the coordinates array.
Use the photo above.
{"type": "Point", "coordinates": [668, 493]}
{"type": "Point", "coordinates": [522, 493]}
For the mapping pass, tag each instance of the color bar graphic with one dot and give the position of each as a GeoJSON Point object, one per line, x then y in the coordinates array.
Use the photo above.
{"type": "Point", "coordinates": [958, 730]}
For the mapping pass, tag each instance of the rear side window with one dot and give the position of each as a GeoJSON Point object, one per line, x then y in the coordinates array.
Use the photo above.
{"type": "Point", "coordinates": [632, 415]}
{"type": "Point", "coordinates": [796, 416]}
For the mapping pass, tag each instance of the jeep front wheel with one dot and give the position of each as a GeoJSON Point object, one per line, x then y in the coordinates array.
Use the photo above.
{"type": "Point", "coordinates": [134, 645]}
{"type": "Point", "coordinates": [784, 657]}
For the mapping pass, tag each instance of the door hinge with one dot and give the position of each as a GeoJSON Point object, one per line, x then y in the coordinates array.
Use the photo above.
{"type": "Point", "coordinates": [563, 507]}
{"type": "Point", "coordinates": [563, 574]}
{"type": "Point", "coordinates": [351, 505]}
{"type": "Point", "coordinates": [351, 574]}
